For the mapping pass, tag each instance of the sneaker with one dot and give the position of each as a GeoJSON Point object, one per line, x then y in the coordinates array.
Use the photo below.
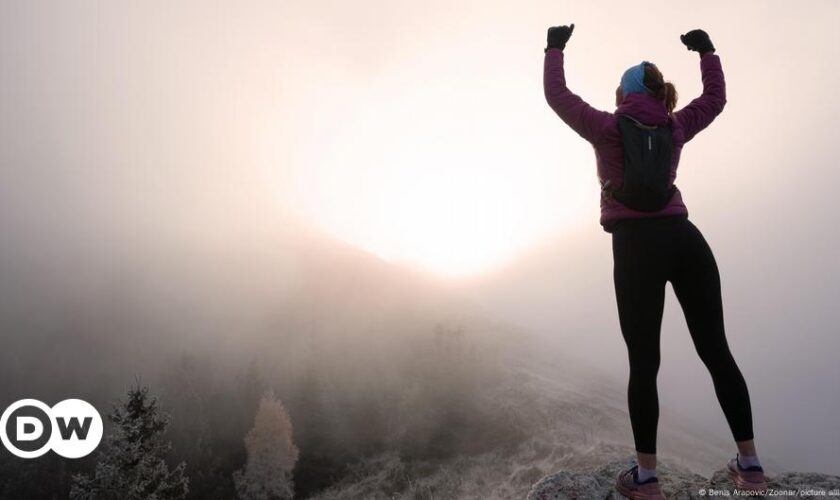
{"type": "Point", "coordinates": [747, 478]}
{"type": "Point", "coordinates": [627, 483]}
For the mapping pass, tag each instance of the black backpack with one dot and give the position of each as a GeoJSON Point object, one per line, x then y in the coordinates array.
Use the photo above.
{"type": "Point", "coordinates": [647, 165]}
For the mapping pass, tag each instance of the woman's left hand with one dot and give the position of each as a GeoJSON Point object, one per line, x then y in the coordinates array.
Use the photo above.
{"type": "Point", "coordinates": [558, 36]}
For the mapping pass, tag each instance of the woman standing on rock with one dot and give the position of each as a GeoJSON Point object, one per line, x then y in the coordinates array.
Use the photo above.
{"type": "Point", "coordinates": [637, 149]}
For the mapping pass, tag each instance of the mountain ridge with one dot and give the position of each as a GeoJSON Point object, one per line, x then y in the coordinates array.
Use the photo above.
{"type": "Point", "coordinates": [677, 482]}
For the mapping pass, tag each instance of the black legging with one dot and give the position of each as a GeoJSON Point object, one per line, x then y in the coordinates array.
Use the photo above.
{"type": "Point", "coordinates": [646, 254]}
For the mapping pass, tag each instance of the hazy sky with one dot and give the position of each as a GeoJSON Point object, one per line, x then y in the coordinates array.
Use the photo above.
{"type": "Point", "coordinates": [419, 131]}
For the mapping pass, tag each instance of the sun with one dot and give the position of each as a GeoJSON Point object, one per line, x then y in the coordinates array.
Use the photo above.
{"type": "Point", "coordinates": [426, 173]}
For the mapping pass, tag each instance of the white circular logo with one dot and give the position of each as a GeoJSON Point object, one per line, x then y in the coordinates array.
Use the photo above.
{"type": "Point", "coordinates": [71, 428]}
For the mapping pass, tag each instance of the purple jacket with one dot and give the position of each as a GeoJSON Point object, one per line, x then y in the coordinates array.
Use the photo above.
{"type": "Point", "coordinates": [600, 128]}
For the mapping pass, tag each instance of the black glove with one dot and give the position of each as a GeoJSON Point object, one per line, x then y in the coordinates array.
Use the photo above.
{"type": "Point", "coordinates": [697, 40]}
{"type": "Point", "coordinates": [558, 36]}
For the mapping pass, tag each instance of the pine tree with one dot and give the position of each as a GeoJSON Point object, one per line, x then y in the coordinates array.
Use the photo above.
{"type": "Point", "coordinates": [267, 474]}
{"type": "Point", "coordinates": [130, 464]}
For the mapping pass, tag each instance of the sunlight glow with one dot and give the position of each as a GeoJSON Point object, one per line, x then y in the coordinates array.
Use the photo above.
{"type": "Point", "coordinates": [426, 172]}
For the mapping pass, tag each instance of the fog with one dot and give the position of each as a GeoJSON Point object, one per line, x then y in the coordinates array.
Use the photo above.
{"type": "Point", "coordinates": [162, 217]}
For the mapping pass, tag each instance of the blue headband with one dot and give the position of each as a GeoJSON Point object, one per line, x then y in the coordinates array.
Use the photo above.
{"type": "Point", "coordinates": [633, 80]}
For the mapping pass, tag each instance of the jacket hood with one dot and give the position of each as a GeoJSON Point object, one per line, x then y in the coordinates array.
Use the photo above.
{"type": "Point", "coordinates": [643, 107]}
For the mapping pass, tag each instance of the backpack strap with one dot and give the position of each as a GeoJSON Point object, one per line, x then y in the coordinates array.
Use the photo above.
{"type": "Point", "coordinates": [640, 124]}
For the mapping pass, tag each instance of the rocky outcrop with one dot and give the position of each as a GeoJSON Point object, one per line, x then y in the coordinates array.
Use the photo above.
{"type": "Point", "coordinates": [678, 483]}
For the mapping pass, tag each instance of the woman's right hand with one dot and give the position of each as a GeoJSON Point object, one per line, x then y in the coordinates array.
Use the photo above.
{"type": "Point", "coordinates": [697, 40]}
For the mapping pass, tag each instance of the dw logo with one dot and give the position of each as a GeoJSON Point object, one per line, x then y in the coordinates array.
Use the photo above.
{"type": "Point", "coordinates": [72, 428]}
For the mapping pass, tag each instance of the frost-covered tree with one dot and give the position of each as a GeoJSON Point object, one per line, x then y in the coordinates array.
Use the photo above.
{"type": "Point", "coordinates": [131, 463]}
{"type": "Point", "coordinates": [267, 474]}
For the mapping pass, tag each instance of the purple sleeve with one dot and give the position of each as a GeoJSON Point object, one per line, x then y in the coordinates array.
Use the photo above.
{"type": "Point", "coordinates": [700, 112]}
{"type": "Point", "coordinates": [587, 121]}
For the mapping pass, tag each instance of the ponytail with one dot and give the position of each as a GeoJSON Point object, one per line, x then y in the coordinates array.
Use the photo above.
{"type": "Point", "coordinates": [664, 91]}
{"type": "Point", "coordinates": [669, 96]}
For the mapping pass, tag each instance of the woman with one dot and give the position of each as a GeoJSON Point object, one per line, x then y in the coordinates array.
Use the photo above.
{"type": "Point", "coordinates": [651, 248]}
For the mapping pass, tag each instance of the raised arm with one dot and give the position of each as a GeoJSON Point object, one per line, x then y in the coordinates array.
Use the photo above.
{"type": "Point", "coordinates": [700, 112]}
{"type": "Point", "coordinates": [587, 121]}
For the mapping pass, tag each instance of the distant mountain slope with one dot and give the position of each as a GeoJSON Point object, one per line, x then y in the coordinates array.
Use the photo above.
{"type": "Point", "coordinates": [406, 385]}
{"type": "Point", "coordinates": [568, 420]}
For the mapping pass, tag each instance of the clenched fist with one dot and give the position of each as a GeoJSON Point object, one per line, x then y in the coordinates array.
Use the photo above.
{"type": "Point", "coordinates": [558, 36]}
{"type": "Point", "coordinates": [697, 40]}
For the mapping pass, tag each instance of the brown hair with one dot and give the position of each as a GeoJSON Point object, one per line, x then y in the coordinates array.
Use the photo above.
{"type": "Point", "coordinates": [664, 91]}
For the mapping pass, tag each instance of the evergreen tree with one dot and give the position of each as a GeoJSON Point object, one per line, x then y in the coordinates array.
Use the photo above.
{"type": "Point", "coordinates": [130, 463]}
{"type": "Point", "coordinates": [271, 455]}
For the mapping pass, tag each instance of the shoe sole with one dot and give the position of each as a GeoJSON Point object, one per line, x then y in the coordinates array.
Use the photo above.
{"type": "Point", "coordinates": [743, 484]}
{"type": "Point", "coordinates": [638, 495]}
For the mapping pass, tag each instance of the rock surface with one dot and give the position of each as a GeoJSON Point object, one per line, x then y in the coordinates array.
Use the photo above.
{"type": "Point", "coordinates": [678, 483]}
